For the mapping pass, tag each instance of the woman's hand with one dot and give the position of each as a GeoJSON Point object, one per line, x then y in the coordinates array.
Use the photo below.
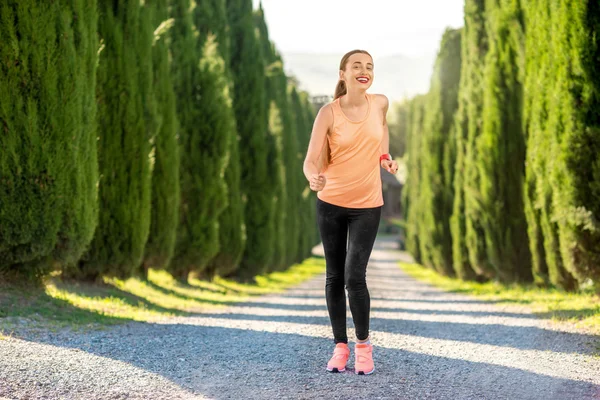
{"type": "Point", "coordinates": [317, 182]}
{"type": "Point", "coordinates": [390, 166]}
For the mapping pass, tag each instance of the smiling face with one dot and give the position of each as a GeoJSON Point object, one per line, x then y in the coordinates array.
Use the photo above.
{"type": "Point", "coordinates": [358, 72]}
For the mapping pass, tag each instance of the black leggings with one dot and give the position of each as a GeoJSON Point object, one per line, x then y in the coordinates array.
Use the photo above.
{"type": "Point", "coordinates": [356, 227]}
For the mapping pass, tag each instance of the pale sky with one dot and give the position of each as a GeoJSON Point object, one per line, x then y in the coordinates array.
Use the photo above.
{"type": "Point", "coordinates": [382, 27]}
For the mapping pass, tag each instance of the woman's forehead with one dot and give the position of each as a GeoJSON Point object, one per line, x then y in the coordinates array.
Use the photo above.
{"type": "Point", "coordinates": [360, 57]}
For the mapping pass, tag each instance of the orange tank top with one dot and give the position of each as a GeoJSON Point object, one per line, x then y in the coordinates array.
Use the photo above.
{"type": "Point", "coordinates": [353, 174]}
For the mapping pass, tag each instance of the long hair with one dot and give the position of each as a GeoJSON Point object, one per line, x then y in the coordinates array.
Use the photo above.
{"type": "Point", "coordinates": [340, 90]}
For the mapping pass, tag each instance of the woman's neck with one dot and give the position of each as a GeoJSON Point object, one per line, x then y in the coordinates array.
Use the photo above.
{"type": "Point", "coordinates": [355, 98]}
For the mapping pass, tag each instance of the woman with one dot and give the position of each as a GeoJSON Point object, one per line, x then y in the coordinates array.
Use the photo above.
{"type": "Point", "coordinates": [348, 144]}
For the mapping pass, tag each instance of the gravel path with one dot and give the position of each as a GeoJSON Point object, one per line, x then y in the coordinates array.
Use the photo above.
{"type": "Point", "coordinates": [429, 344]}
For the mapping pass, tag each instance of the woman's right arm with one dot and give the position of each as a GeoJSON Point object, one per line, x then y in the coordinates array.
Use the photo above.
{"type": "Point", "coordinates": [318, 137]}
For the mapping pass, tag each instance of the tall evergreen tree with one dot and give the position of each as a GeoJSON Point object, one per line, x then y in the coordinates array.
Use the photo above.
{"type": "Point", "coordinates": [305, 198]}
{"type": "Point", "coordinates": [232, 228]}
{"type": "Point", "coordinates": [309, 115]}
{"type": "Point", "coordinates": [397, 128]}
{"type": "Point", "coordinates": [277, 117]}
{"type": "Point", "coordinates": [247, 66]}
{"type": "Point", "coordinates": [437, 152]}
{"type": "Point", "coordinates": [126, 128]}
{"type": "Point", "coordinates": [277, 87]}
{"type": "Point", "coordinates": [48, 162]}
{"type": "Point", "coordinates": [547, 265]}
{"type": "Point", "coordinates": [473, 42]}
{"type": "Point", "coordinates": [500, 148]}
{"type": "Point", "coordinates": [412, 193]}
{"type": "Point", "coordinates": [475, 18]}
{"type": "Point", "coordinates": [563, 126]}
{"type": "Point", "coordinates": [165, 152]}
{"type": "Point", "coordinates": [206, 126]}
{"type": "Point", "coordinates": [279, 187]}
{"type": "Point", "coordinates": [210, 17]}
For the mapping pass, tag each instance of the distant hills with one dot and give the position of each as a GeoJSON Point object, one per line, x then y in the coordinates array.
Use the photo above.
{"type": "Point", "coordinates": [396, 76]}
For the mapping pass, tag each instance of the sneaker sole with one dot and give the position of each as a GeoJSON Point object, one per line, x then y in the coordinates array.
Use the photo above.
{"type": "Point", "coordinates": [365, 373]}
{"type": "Point", "coordinates": [336, 370]}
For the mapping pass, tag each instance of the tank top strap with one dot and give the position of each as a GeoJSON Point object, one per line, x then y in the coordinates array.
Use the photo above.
{"type": "Point", "coordinates": [335, 106]}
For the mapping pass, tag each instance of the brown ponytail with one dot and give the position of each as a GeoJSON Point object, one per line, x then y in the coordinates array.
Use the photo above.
{"type": "Point", "coordinates": [340, 90]}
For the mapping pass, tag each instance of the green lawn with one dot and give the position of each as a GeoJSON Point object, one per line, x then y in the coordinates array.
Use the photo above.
{"type": "Point", "coordinates": [580, 308]}
{"type": "Point", "coordinates": [77, 305]}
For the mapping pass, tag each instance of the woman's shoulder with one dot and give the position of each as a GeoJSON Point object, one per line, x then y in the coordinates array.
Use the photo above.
{"type": "Point", "coordinates": [381, 99]}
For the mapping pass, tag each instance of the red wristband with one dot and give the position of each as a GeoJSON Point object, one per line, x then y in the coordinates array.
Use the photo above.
{"type": "Point", "coordinates": [385, 157]}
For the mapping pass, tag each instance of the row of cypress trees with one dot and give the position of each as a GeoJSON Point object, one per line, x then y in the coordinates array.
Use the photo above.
{"type": "Point", "coordinates": [503, 164]}
{"type": "Point", "coordinates": [156, 134]}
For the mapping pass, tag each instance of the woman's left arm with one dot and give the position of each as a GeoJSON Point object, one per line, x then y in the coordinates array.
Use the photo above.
{"type": "Point", "coordinates": [390, 165]}
{"type": "Point", "coordinates": [385, 143]}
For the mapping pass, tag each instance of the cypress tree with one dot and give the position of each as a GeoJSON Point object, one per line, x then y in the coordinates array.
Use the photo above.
{"type": "Point", "coordinates": [547, 265]}
{"type": "Point", "coordinates": [309, 115]}
{"type": "Point", "coordinates": [472, 43]}
{"type": "Point", "coordinates": [438, 157]}
{"type": "Point", "coordinates": [276, 131]}
{"type": "Point", "coordinates": [165, 152]}
{"type": "Point", "coordinates": [210, 17]}
{"type": "Point", "coordinates": [247, 66]}
{"type": "Point", "coordinates": [397, 128]}
{"type": "Point", "coordinates": [537, 23]}
{"type": "Point", "coordinates": [277, 84]}
{"type": "Point", "coordinates": [305, 198]}
{"type": "Point", "coordinates": [563, 126]}
{"type": "Point", "coordinates": [205, 129]}
{"type": "Point", "coordinates": [125, 129]}
{"type": "Point", "coordinates": [412, 193]}
{"type": "Point", "coordinates": [474, 214]}
{"type": "Point", "coordinates": [278, 186]}
{"type": "Point", "coordinates": [500, 148]}
{"type": "Point", "coordinates": [292, 164]}
{"type": "Point", "coordinates": [232, 229]}
{"type": "Point", "coordinates": [48, 163]}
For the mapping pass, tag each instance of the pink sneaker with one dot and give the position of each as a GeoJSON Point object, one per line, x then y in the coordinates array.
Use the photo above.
{"type": "Point", "coordinates": [363, 359]}
{"type": "Point", "coordinates": [337, 363]}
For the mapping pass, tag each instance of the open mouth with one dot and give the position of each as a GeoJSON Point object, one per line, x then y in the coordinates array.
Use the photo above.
{"type": "Point", "coordinates": [362, 79]}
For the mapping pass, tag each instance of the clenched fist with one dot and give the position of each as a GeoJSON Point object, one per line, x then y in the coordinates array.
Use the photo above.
{"type": "Point", "coordinates": [317, 182]}
{"type": "Point", "coordinates": [390, 166]}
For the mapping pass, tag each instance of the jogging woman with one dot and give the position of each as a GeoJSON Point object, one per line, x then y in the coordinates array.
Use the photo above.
{"type": "Point", "coordinates": [349, 143]}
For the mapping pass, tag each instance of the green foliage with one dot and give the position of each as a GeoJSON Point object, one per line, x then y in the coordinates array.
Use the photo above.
{"type": "Point", "coordinates": [48, 163]}
{"type": "Point", "coordinates": [277, 116]}
{"type": "Point", "coordinates": [563, 127]}
{"type": "Point", "coordinates": [206, 128]}
{"type": "Point", "coordinates": [232, 229]}
{"type": "Point", "coordinates": [470, 42]}
{"type": "Point", "coordinates": [309, 114]}
{"type": "Point", "coordinates": [411, 193]}
{"type": "Point", "coordinates": [248, 70]}
{"type": "Point", "coordinates": [210, 17]}
{"type": "Point", "coordinates": [305, 197]}
{"type": "Point", "coordinates": [126, 127]}
{"type": "Point", "coordinates": [438, 156]}
{"type": "Point", "coordinates": [477, 38]}
{"type": "Point", "coordinates": [397, 126]}
{"type": "Point", "coordinates": [500, 148]}
{"type": "Point", "coordinates": [165, 152]}
{"type": "Point", "coordinates": [278, 184]}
